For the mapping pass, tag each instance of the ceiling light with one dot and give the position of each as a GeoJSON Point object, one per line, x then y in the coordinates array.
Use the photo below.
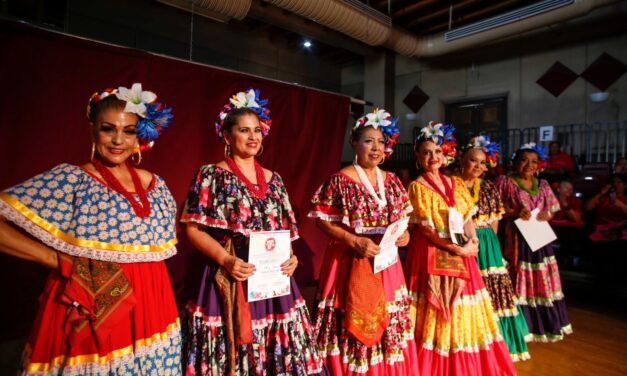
{"type": "Point", "coordinates": [306, 44]}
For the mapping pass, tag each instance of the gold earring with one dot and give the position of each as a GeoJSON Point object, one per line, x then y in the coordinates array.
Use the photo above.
{"type": "Point", "coordinates": [227, 151]}
{"type": "Point", "coordinates": [382, 160]}
{"type": "Point", "coordinates": [259, 152]}
{"type": "Point", "coordinates": [418, 167]}
{"type": "Point", "coordinates": [355, 159]}
{"type": "Point", "coordinates": [139, 157]}
{"type": "Point", "coordinates": [93, 150]}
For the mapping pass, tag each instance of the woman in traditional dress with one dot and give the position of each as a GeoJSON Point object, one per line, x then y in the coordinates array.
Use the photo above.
{"type": "Point", "coordinates": [104, 229]}
{"type": "Point", "coordinates": [455, 325]}
{"type": "Point", "coordinates": [226, 202]}
{"type": "Point", "coordinates": [362, 317]}
{"type": "Point", "coordinates": [534, 273]}
{"type": "Point", "coordinates": [474, 160]}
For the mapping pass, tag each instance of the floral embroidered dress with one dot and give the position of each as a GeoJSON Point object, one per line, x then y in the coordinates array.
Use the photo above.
{"type": "Point", "coordinates": [535, 274]}
{"type": "Point", "coordinates": [282, 341]}
{"type": "Point", "coordinates": [455, 324]}
{"type": "Point", "coordinates": [109, 308]}
{"type": "Point", "coordinates": [346, 279]}
{"type": "Point", "coordinates": [495, 275]}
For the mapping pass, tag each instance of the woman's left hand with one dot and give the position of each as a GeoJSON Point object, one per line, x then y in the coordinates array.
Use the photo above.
{"type": "Point", "coordinates": [289, 266]}
{"type": "Point", "coordinates": [544, 216]}
{"type": "Point", "coordinates": [403, 240]}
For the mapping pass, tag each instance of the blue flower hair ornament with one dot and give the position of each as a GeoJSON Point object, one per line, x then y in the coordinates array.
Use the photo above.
{"type": "Point", "coordinates": [491, 149]}
{"type": "Point", "coordinates": [250, 99]}
{"type": "Point", "coordinates": [539, 149]}
{"type": "Point", "coordinates": [383, 121]}
{"type": "Point", "coordinates": [440, 134]}
{"type": "Point", "coordinates": [154, 117]}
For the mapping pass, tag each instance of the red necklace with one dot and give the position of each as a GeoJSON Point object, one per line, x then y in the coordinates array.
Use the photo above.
{"type": "Point", "coordinates": [141, 210]}
{"type": "Point", "coordinates": [258, 190]}
{"type": "Point", "coordinates": [449, 197]}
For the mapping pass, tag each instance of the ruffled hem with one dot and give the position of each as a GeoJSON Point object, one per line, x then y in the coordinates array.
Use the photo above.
{"type": "Point", "coordinates": [494, 360]}
{"type": "Point", "coordinates": [282, 345]}
{"type": "Point", "coordinates": [131, 255]}
{"type": "Point", "coordinates": [224, 225]}
{"type": "Point", "coordinates": [515, 334]}
{"type": "Point", "coordinates": [159, 354]}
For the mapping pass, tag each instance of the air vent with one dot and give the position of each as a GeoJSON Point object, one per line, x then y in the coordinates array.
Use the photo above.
{"type": "Point", "coordinates": [506, 18]}
{"type": "Point", "coordinates": [384, 19]}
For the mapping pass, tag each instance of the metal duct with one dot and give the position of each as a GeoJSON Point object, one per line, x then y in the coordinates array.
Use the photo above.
{"type": "Point", "coordinates": [220, 10]}
{"type": "Point", "coordinates": [436, 45]}
{"type": "Point", "coordinates": [342, 17]}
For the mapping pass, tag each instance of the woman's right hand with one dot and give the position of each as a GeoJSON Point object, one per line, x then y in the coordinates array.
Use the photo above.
{"type": "Point", "coordinates": [238, 268]}
{"type": "Point", "coordinates": [365, 247]}
{"type": "Point", "coordinates": [605, 189]}
{"type": "Point", "coordinates": [524, 214]}
{"type": "Point", "coordinates": [471, 248]}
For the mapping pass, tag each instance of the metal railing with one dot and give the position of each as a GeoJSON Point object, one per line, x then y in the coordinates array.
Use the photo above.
{"type": "Point", "coordinates": [599, 142]}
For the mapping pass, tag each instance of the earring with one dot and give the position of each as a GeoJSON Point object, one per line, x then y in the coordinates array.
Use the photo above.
{"type": "Point", "coordinates": [382, 160]}
{"type": "Point", "coordinates": [355, 159]}
{"type": "Point", "coordinates": [227, 151]}
{"type": "Point", "coordinates": [259, 152]}
{"type": "Point", "coordinates": [139, 157]}
{"type": "Point", "coordinates": [418, 167]}
{"type": "Point", "coordinates": [93, 150]}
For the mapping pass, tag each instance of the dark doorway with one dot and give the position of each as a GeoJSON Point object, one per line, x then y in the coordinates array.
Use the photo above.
{"type": "Point", "coordinates": [480, 116]}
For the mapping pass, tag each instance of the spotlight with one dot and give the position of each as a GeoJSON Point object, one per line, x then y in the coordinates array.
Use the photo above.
{"type": "Point", "coordinates": [306, 44]}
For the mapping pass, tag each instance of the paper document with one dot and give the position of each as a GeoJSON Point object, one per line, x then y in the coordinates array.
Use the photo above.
{"type": "Point", "coordinates": [536, 233]}
{"type": "Point", "coordinates": [388, 254]}
{"type": "Point", "coordinates": [267, 251]}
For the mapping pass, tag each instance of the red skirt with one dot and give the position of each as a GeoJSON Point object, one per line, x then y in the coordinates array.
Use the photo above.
{"type": "Point", "coordinates": [146, 340]}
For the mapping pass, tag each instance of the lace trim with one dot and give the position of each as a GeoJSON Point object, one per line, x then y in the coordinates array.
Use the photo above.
{"type": "Point", "coordinates": [216, 223]}
{"type": "Point", "coordinates": [142, 355]}
{"type": "Point", "coordinates": [93, 253]}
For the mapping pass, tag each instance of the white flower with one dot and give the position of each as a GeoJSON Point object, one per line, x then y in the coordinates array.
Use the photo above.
{"type": "Point", "coordinates": [136, 99]}
{"type": "Point", "coordinates": [242, 99]}
{"type": "Point", "coordinates": [432, 131]}
{"type": "Point", "coordinates": [378, 119]}
{"type": "Point", "coordinates": [530, 145]}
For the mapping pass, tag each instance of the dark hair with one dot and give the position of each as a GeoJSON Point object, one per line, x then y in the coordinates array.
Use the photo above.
{"type": "Point", "coordinates": [519, 153]}
{"type": "Point", "coordinates": [110, 102]}
{"type": "Point", "coordinates": [421, 140]}
{"type": "Point", "coordinates": [619, 175]}
{"type": "Point", "coordinates": [233, 117]}
{"type": "Point", "coordinates": [555, 143]}
{"type": "Point", "coordinates": [356, 133]}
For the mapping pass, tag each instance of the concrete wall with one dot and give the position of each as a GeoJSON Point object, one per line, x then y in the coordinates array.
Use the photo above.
{"type": "Point", "coordinates": [529, 104]}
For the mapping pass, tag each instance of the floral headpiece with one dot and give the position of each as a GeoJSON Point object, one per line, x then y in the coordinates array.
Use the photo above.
{"type": "Point", "coordinates": [249, 99]}
{"type": "Point", "coordinates": [491, 149]}
{"type": "Point", "coordinates": [154, 117]}
{"type": "Point", "coordinates": [383, 121]}
{"type": "Point", "coordinates": [440, 134]}
{"type": "Point", "coordinates": [539, 149]}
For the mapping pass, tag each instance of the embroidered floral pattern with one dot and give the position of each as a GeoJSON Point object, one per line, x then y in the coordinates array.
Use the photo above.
{"type": "Point", "coordinates": [217, 198]}
{"type": "Point", "coordinates": [342, 199]}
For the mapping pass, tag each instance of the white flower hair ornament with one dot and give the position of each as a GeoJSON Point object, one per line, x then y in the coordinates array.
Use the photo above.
{"type": "Point", "coordinates": [154, 117]}
{"type": "Point", "coordinates": [249, 99]}
{"type": "Point", "coordinates": [440, 134]}
{"type": "Point", "coordinates": [383, 121]}
{"type": "Point", "coordinates": [491, 149]}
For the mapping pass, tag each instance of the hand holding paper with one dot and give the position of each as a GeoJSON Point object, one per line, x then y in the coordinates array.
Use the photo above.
{"type": "Point", "coordinates": [388, 254]}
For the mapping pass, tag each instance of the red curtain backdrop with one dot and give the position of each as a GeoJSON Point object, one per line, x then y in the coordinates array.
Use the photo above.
{"type": "Point", "coordinates": [46, 81]}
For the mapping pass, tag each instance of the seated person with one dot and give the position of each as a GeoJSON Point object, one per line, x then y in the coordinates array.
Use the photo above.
{"type": "Point", "coordinates": [568, 224]}
{"type": "Point", "coordinates": [560, 165]}
{"type": "Point", "coordinates": [620, 167]}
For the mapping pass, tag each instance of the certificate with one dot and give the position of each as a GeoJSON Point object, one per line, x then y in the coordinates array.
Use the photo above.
{"type": "Point", "coordinates": [536, 233]}
{"type": "Point", "coordinates": [267, 251]}
{"type": "Point", "coordinates": [388, 254]}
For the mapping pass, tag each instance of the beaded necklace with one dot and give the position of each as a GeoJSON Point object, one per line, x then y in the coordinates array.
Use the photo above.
{"type": "Point", "coordinates": [142, 210]}
{"type": "Point", "coordinates": [258, 190]}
